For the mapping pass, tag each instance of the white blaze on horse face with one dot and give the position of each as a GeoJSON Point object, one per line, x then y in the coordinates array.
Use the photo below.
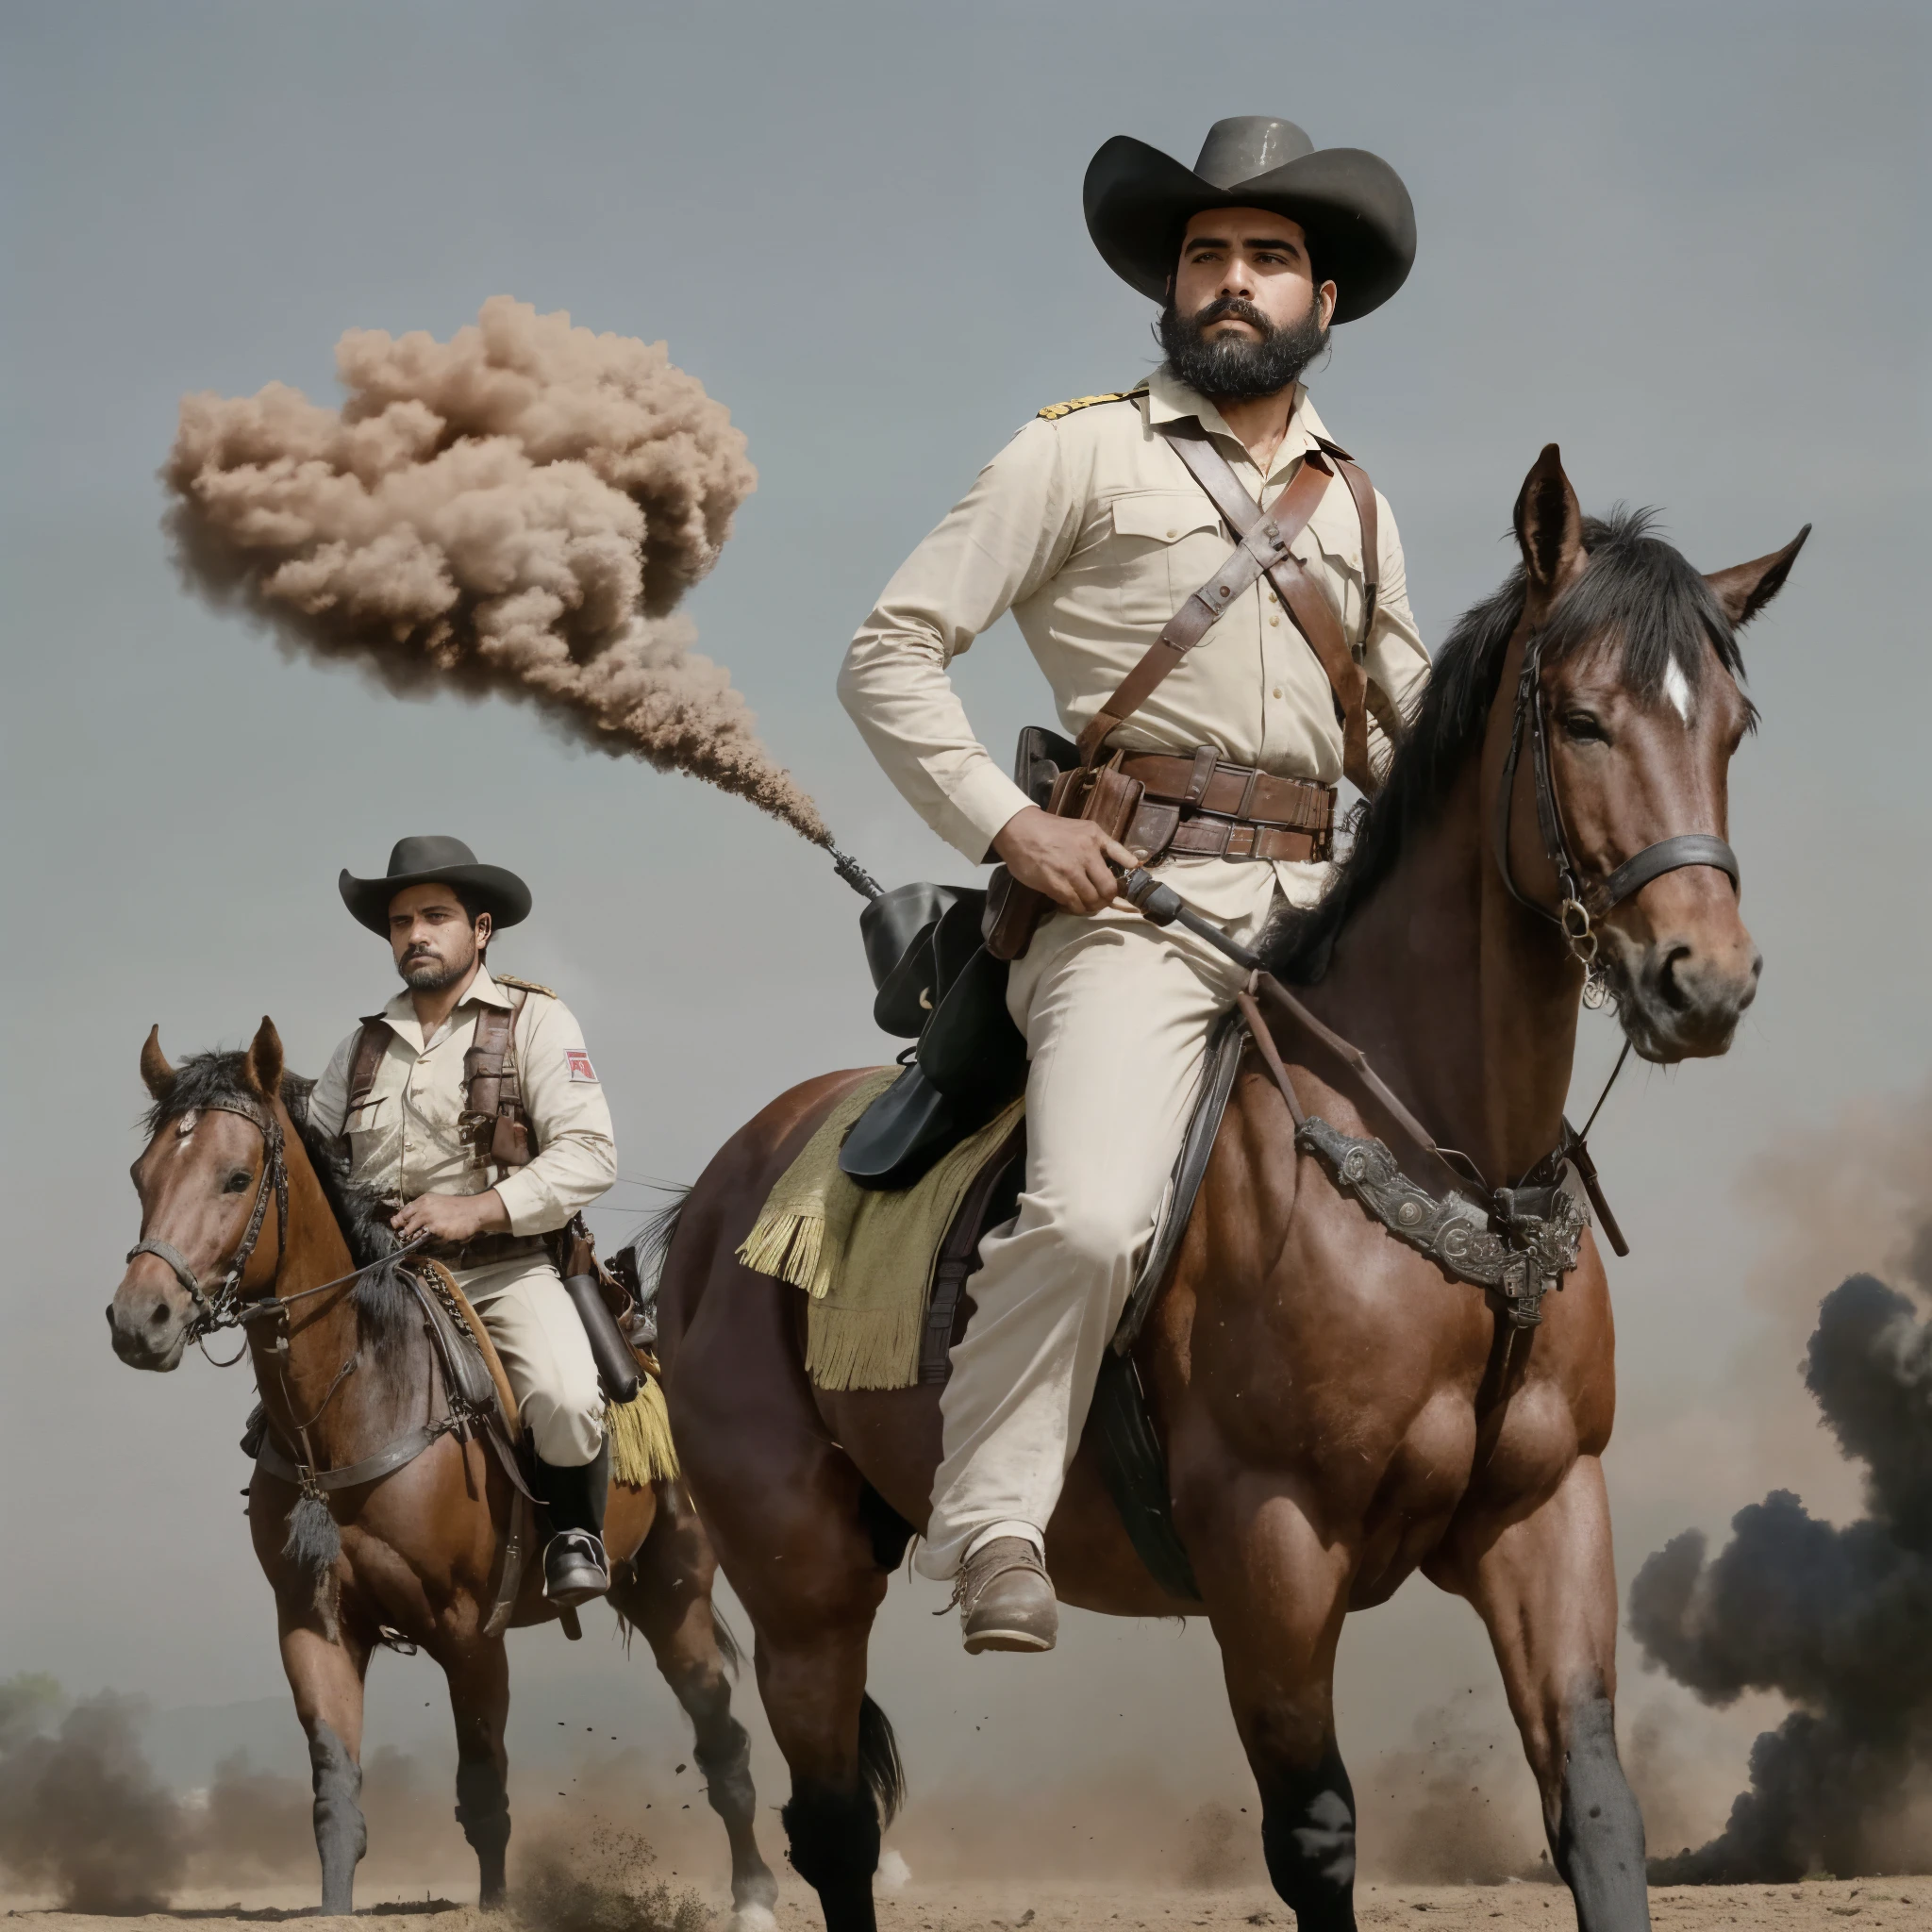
{"type": "Point", "coordinates": [1678, 689]}
{"type": "Point", "coordinates": [187, 1123]}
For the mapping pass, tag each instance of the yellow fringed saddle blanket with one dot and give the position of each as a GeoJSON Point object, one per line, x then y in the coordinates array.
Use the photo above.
{"type": "Point", "coordinates": [864, 1257]}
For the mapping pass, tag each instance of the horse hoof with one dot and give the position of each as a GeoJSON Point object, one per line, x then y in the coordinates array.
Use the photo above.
{"type": "Point", "coordinates": [753, 1917]}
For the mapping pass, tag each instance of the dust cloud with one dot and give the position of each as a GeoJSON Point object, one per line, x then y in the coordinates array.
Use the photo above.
{"type": "Point", "coordinates": [1835, 1618]}
{"type": "Point", "coordinates": [82, 1814]}
{"type": "Point", "coordinates": [599, 1882]}
{"type": "Point", "coordinates": [514, 511]}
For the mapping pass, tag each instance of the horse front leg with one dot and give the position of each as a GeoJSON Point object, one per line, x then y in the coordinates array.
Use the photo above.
{"type": "Point", "coordinates": [1276, 1594]}
{"type": "Point", "coordinates": [478, 1679]}
{"type": "Point", "coordinates": [326, 1675]}
{"type": "Point", "coordinates": [1545, 1587]}
{"type": "Point", "coordinates": [665, 1592]}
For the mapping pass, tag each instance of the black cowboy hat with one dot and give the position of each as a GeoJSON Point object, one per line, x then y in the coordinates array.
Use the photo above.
{"type": "Point", "coordinates": [435, 861]}
{"type": "Point", "coordinates": [1358, 216]}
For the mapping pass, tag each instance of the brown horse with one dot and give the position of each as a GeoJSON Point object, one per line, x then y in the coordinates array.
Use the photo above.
{"type": "Point", "coordinates": [234, 1184]}
{"type": "Point", "coordinates": [1336, 1410]}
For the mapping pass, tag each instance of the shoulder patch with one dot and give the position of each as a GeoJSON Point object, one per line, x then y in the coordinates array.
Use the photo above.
{"type": "Point", "coordinates": [1054, 411]}
{"type": "Point", "coordinates": [528, 985]}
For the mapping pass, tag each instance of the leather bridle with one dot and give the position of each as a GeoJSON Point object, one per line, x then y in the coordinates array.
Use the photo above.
{"type": "Point", "coordinates": [217, 1308]}
{"type": "Point", "coordinates": [1581, 901]}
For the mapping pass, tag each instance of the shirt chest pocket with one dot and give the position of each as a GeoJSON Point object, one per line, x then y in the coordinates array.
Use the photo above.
{"type": "Point", "coordinates": [375, 1142]}
{"type": "Point", "coordinates": [1166, 544]}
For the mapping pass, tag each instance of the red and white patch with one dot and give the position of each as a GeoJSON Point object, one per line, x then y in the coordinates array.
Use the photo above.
{"type": "Point", "coordinates": [577, 1064]}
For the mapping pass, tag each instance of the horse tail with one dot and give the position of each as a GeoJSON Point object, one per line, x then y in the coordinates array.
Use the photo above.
{"type": "Point", "coordinates": [726, 1639]}
{"type": "Point", "coordinates": [879, 1763]}
{"type": "Point", "coordinates": [651, 1242]}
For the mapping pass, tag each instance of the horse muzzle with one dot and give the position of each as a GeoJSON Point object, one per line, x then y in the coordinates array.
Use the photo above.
{"type": "Point", "coordinates": [1685, 984]}
{"type": "Point", "coordinates": [149, 1319]}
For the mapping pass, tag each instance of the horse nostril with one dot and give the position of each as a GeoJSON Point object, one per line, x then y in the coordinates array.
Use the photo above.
{"type": "Point", "coordinates": [160, 1315]}
{"type": "Point", "coordinates": [1668, 989]}
{"type": "Point", "coordinates": [108, 1311]}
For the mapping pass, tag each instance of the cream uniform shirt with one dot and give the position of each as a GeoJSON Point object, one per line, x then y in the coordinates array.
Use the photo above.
{"type": "Point", "coordinates": [406, 1140]}
{"type": "Point", "coordinates": [1089, 529]}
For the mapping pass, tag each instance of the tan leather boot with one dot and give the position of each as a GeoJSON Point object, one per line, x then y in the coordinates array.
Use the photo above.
{"type": "Point", "coordinates": [1006, 1599]}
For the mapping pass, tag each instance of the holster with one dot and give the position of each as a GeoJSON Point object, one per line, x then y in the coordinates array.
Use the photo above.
{"type": "Point", "coordinates": [1102, 793]}
{"type": "Point", "coordinates": [602, 1302]}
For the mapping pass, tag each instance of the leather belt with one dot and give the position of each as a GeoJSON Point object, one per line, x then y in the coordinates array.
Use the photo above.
{"type": "Point", "coordinates": [485, 1250]}
{"type": "Point", "coordinates": [1207, 837]}
{"type": "Point", "coordinates": [1232, 791]}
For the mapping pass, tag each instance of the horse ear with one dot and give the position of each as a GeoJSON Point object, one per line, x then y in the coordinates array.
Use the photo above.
{"type": "Point", "coordinates": [1745, 589]}
{"type": "Point", "coordinates": [264, 1065]}
{"type": "Point", "coordinates": [155, 1074]}
{"type": "Point", "coordinates": [1549, 525]}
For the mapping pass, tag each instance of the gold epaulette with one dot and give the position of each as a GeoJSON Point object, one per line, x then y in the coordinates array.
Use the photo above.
{"type": "Point", "coordinates": [528, 985]}
{"type": "Point", "coordinates": [1054, 411]}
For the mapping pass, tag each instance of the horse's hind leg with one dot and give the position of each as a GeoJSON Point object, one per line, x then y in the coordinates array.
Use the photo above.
{"type": "Point", "coordinates": [325, 1676]}
{"type": "Point", "coordinates": [665, 1592]}
{"type": "Point", "coordinates": [478, 1679]}
{"type": "Point", "coordinates": [1545, 1587]}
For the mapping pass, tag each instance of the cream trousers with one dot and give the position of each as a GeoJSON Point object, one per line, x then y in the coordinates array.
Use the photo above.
{"type": "Point", "coordinates": [545, 1354]}
{"type": "Point", "coordinates": [1117, 1015]}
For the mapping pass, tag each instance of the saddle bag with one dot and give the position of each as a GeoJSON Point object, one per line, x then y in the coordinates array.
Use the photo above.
{"type": "Point", "coordinates": [947, 991]}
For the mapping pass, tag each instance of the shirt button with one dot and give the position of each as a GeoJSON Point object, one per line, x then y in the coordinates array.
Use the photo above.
{"type": "Point", "coordinates": [1275, 620]}
{"type": "Point", "coordinates": [1278, 690]}
{"type": "Point", "coordinates": [1272, 598]}
{"type": "Point", "coordinates": [1171, 535]}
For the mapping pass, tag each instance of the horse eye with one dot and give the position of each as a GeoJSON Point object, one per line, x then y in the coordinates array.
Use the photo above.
{"type": "Point", "coordinates": [1581, 728]}
{"type": "Point", "coordinates": [237, 1181]}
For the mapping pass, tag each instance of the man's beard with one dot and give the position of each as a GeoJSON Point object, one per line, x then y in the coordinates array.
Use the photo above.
{"type": "Point", "coordinates": [426, 974]}
{"type": "Point", "coordinates": [1232, 369]}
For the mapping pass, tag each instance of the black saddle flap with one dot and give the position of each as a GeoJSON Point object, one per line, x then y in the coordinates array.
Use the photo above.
{"type": "Point", "coordinates": [1040, 759]}
{"type": "Point", "coordinates": [903, 1132]}
{"type": "Point", "coordinates": [970, 1048]}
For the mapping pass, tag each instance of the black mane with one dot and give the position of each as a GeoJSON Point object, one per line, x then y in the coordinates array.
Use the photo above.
{"type": "Point", "coordinates": [1637, 588]}
{"type": "Point", "coordinates": [383, 1300]}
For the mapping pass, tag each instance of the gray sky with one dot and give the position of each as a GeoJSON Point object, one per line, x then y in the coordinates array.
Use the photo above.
{"type": "Point", "coordinates": [1686, 241]}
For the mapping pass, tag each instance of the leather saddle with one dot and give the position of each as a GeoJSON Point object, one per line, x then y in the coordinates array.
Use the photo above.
{"type": "Point", "coordinates": [937, 985]}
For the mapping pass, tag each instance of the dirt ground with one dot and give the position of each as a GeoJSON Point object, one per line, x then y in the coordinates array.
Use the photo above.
{"type": "Point", "coordinates": [1816, 1905]}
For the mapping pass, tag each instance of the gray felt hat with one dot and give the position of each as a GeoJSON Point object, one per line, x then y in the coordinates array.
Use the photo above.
{"type": "Point", "coordinates": [435, 861]}
{"type": "Point", "coordinates": [1358, 216]}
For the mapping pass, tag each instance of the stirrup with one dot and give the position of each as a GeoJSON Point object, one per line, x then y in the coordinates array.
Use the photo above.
{"type": "Point", "coordinates": [575, 1568]}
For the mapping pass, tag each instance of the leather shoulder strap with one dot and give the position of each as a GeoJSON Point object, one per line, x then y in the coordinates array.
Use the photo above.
{"type": "Point", "coordinates": [365, 1059]}
{"type": "Point", "coordinates": [490, 1081]}
{"type": "Point", "coordinates": [1363, 492]}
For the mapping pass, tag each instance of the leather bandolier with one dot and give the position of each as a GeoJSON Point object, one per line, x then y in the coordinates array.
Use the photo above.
{"type": "Point", "coordinates": [1162, 805]}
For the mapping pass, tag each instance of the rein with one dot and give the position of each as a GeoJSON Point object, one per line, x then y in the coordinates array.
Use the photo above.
{"type": "Point", "coordinates": [1582, 901]}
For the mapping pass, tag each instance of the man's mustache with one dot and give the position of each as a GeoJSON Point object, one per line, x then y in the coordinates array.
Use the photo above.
{"type": "Point", "coordinates": [1236, 306]}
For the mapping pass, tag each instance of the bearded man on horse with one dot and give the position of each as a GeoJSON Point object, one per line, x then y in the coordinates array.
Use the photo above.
{"type": "Point", "coordinates": [1093, 526]}
{"type": "Point", "coordinates": [471, 1101]}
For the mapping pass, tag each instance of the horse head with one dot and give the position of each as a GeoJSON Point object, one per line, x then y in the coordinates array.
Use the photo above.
{"type": "Point", "coordinates": [207, 1193]}
{"type": "Point", "coordinates": [1612, 772]}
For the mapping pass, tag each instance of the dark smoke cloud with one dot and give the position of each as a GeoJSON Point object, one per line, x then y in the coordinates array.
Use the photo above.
{"type": "Point", "coordinates": [1839, 1620]}
{"type": "Point", "coordinates": [515, 512]}
{"type": "Point", "coordinates": [81, 1813]}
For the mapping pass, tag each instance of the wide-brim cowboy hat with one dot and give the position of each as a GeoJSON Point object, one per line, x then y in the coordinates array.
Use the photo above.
{"type": "Point", "coordinates": [1356, 214]}
{"type": "Point", "coordinates": [435, 861]}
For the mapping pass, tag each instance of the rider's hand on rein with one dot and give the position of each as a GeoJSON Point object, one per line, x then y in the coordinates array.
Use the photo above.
{"type": "Point", "coordinates": [454, 1218]}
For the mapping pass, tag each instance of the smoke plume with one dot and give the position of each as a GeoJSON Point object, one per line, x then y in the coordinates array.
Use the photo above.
{"type": "Point", "coordinates": [516, 511]}
{"type": "Point", "coordinates": [1839, 1620]}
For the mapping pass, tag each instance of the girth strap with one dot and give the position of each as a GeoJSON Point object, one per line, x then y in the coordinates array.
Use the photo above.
{"type": "Point", "coordinates": [386, 1462]}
